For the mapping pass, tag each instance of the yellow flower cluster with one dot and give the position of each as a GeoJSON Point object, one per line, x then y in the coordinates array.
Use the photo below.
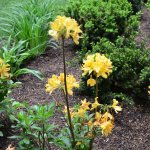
{"type": "Point", "coordinates": [91, 81]}
{"type": "Point", "coordinates": [4, 69]}
{"type": "Point", "coordinates": [115, 107]}
{"type": "Point", "coordinates": [65, 27]}
{"type": "Point", "coordinates": [58, 82]}
{"type": "Point", "coordinates": [104, 121]}
{"type": "Point", "coordinates": [97, 64]}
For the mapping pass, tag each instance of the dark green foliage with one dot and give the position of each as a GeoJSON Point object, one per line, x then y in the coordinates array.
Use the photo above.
{"type": "Point", "coordinates": [101, 18]}
{"type": "Point", "coordinates": [137, 4]}
{"type": "Point", "coordinates": [131, 73]}
{"type": "Point", "coordinates": [110, 28]}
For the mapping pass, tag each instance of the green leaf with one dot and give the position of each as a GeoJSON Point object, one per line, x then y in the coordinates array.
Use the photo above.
{"type": "Point", "coordinates": [26, 141]}
{"type": "Point", "coordinates": [29, 71]}
{"type": "Point", "coordinates": [1, 134]}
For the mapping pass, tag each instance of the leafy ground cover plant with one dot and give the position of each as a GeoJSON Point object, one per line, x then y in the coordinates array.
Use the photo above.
{"type": "Point", "coordinates": [9, 69]}
{"type": "Point", "coordinates": [15, 54]}
{"type": "Point", "coordinates": [34, 123]}
{"type": "Point", "coordinates": [5, 86]}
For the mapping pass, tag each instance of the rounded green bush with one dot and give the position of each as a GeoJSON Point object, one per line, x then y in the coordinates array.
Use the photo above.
{"type": "Point", "coordinates": [110, 27]}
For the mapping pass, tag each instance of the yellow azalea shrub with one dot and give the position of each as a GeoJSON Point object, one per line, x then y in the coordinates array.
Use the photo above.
{"type": "Point", "coordinates": [65, 27]}
{"type": "Point", "coordinates": [97, 64]}
{"type": "Point", "coordinates": [4, 69]}
{"type": "Point", "coordinates": [90, 120]}
{"type": "Point", "coordinates": [56, 82]}
{"type": "Point", "coordinates": [86, 120]}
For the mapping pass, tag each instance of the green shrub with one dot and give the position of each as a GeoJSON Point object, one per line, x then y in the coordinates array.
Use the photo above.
{"type": "Point", "coordinates": [110, 28]}
{"type": "Point", "coordinates": [137, 4]}
{"type": "Point", "coordinates": [109, 19]}
{"type": "Point", "coordinates": [130, 76]}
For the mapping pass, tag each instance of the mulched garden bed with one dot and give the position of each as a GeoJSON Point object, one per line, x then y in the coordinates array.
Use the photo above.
{"type": "Point", "coordinates": [132, 125]}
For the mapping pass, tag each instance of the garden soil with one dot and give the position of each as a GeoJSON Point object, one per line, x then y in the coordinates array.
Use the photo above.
{"type": "Point", "coordinates": [132, 125]}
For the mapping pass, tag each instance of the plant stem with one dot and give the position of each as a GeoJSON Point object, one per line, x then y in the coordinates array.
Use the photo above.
{"type": "Point", "coordinates": [97, 87]}
{"type": "Point", "coordinates": [66, 96]}
{"type": "Point", "coordinates": [91, 144]}
{"type": "Point", "coordinates": [43, 145]}
{"type": "Point", "coordinates": [39, 139]}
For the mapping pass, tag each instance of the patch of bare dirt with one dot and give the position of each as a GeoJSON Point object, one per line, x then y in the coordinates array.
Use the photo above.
{"type": "Point", "coordinates": [144, 28]}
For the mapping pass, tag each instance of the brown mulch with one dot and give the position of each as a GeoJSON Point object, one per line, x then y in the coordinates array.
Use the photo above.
{"type": "Point", "coordinates": [132, 125]}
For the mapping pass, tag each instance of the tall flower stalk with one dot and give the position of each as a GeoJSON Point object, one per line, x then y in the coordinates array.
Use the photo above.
{"type": "Point", "coordinates": [63, 28]}
{"type": "Point", "coordinates": [97, 87]}
{"type": "Point", "coordinates": [82, 120]}
{"type": "Point", "coordinates": [66, 94]}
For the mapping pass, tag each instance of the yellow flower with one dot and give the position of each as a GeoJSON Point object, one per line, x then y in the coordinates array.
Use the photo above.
{"type": "Point", "coordinates": [61, 77]}
{"type": "Point", "coordinates": [149, 89]}
{"type": "Point", "coordinates": [99, 64]}
{"type": "Point", "coordinates": [58, 82]}
{"type": "Point", "coordinates": [91, 81]}
{"type": "Point", "coordinates": [70, 110]}
{"type": "Point", "coordinates": [85, 104]}
{"type": "Point", "coordinates": [88, 65]}
{"type": "Point", "coordinates": [105, 122]}
{"type": "Point", "coordinates": [107, 127]}
{"type": "Point", "coordinates": [90, 135]}
{"type": "Point", "coordinates": [95, 104]}
{"type": "Point", "coordinates": [4, 69]}
{"type": "Point", "coordinates": [98, 117]}
{"type": "Point", "coordinates": [90, 124]}
{"type": "Point", "coordinates": [115, 107]}
{"type": "Point", "coordinates": [65, 27]}
{"type": "Point", "coordinates": [107, 116]}
{"type": "Point", "coordinates": [80, 112]}
{"type": "Point", "coordinates": [71, 83]}
{"type": "Point", "coordinates": [53, 83]}
{"type": "Point", "coordinates": [78, 143]}
{"type": "Point", "coordinates": [54, 34]}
